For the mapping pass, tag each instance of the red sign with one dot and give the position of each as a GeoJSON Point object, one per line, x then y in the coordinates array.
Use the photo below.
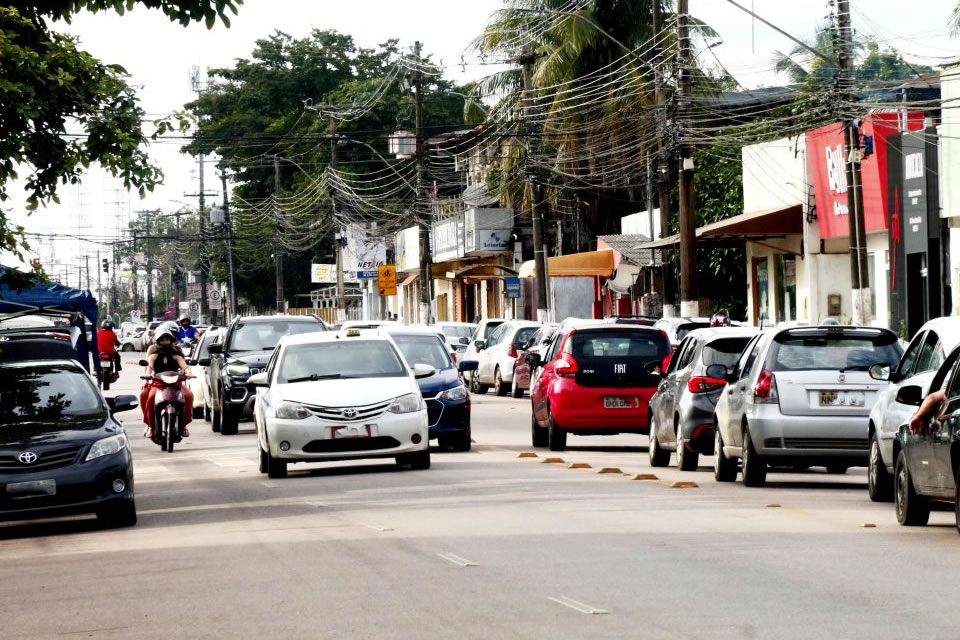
{"type": "Point", "coordinates": [827, 156]}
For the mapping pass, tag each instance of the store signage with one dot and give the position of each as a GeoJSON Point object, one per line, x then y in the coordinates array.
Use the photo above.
{"type": "Point", "coordinates": [915, 197]}
{"type": "Point", "coordinates": [512, 287]}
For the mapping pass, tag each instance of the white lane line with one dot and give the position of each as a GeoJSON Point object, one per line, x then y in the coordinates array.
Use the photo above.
{"type": "Point", "coordinates": [457, 560]}
{"type": "Point", "coordinates": [378, 528]}
{"type": "Point", "coordinates": [578, 606]}
{"type": "Point", "coordinates": [270, 485]}
{"type": "Point", "coordinates": [318, 505]}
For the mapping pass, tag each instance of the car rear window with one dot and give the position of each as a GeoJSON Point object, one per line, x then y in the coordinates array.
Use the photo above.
{"type": "Point", "coordinates": [725, 351]}
{"type": "Point", "coordinates": [424, 350]}
{"type": "Point", "coordinates": [490, 327]}
{"type": "Point", "coordinates": [684, 329]}
{"type": "Point", "coordinates": [617, 357]}
{"type": "Point", "coordinates": [833, 351]}
{"type": "Point", "coordinates": [524, 335]}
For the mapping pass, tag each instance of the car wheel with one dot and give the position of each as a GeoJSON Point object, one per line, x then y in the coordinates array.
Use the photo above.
{"type": "Point", "coordinates": [228, 422]}
{"type": "Point", "coordinates": [475, 385]}
{"type": "Point", "coordinates": [418, 461]}
{"type": "Point", "coordinates": [556, 437]}
{"type": "Point", "coordinates": [754, 468]}
{"type": "Point", "coordinates": [686, 460]}
{"type": "Point", "coordinates": [724, 468]}
{"type": "Point", "coordinates": [215, 420]}
{"type": "Point", "coordinates": [515, 390]}
{"type": "Point", "coordinates": [264, 464]}
{"type": "Point", "coordinates": [538, 433]}
{"type": "Point", "coordinates": [837, 469]}
{"type": "Point", "coordinates": [659, 457]}
{"type": "Point", "coordinates": [198, 413]}
{"type": "Point", "coordinates": [126, 348]}
{"type": "Point", "coordinates": [121, 515]}
{"type": "Point", "coordinates": [879, 482]}
{"type": "Point", "coordinates": [498, 387]}
{"type": "Point", "coordinates": [207, 414]}
{"type": "Point", "coordinates": [912, 509]}
{"type": "Point", "coordinates": [461, 441]}
{"type": "Point", "coordinates": [276, 468]}
{"type": "Point", "coordinates": [956, 501]}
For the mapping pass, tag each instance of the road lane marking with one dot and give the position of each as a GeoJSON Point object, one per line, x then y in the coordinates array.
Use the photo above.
{"type": "Point", "coordinates": [270, 485]}
{"type": "Point", "coordinates": [457, 560]}
{"type": "Point", "coordinates": [378, 528]}
{"type": "Point", "coordinates": [578, 606]}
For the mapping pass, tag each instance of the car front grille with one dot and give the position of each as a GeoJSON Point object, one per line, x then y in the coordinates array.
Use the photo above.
{"type": "Point", "coordinates": [49, 459]}
{"type": "Point", "coordinates": [434, 411]}
{"type": "Point", "coordinates": [857, 444]}
{"type": "Point", "coordinates": [339, 414]}
{"type": "Point", "coordinates": [772, 443]}
{"type": "Point", "coordinates": [347, 445]}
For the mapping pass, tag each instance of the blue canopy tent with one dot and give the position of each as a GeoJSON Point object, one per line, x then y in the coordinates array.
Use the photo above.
{"type": "Point", "coordinates": [57, 299]}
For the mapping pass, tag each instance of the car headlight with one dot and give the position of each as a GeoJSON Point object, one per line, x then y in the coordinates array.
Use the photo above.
{"type": "Point", "coordinates": [107, 446]}
{"type": "Point", "coordinates": [455, 394]}
{"type": "Point", "coordinates": [287, 410]}
{"type": "Point", "coordinates": [238, 370]}
{"type": "Point", "coordinates": [407, 404]}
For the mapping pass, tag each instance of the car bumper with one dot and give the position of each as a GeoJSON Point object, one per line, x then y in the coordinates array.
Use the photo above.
{"type": "Point", "coordinates": [446, 418]}
{"type": "Point", "coordinates": [83, 487]}
{"type": "Point", "coordinates": [582, 410]}
{"type": "Point", "coordinates": [696, 422]}
{"type": "Point", "coordinates": [835, 438]}
{"type": "Point", "coordinates": [312, 438]}
{"type": "Point", "coordinates": [240, 398]}
{"type": "Point", "coordinates": [522, 374]}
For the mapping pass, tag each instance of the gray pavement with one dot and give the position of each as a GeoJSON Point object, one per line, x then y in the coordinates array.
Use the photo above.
{"type": "Point", "coordinates": [484, 544]}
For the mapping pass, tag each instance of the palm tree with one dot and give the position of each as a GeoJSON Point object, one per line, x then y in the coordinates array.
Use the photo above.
{"type": "Point", "coordinates": [954, 22]}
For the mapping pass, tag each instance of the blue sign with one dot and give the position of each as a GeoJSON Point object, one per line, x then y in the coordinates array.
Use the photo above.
{"type": "Point", "coordinates": [512, 287]}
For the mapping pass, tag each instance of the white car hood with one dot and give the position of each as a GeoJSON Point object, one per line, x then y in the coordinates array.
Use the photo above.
{"type": "Point", "coordinates": [354, 392]}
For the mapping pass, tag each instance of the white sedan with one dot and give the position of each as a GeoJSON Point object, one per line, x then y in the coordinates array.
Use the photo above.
{"type": "Point", "coordinates": [340, 396]}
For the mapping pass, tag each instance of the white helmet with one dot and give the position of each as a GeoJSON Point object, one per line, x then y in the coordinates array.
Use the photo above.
{"type": "Point", "coordinates": [169, 328]}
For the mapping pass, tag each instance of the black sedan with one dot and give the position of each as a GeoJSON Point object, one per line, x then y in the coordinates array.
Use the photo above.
{"type": "Point", "coordinates": [61, 450]}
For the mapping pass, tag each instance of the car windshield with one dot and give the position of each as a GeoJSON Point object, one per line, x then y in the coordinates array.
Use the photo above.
{"type": "Point", "coordinates": [523, 335]}
{"type": "Point", "coordinates": [833, 352]}
{"type": "Point", "coordinates": [725, 351]}
{"type": "Point", "coordinates": [424, 350]}
{"type": "Point", "coordinates": [458, 331]}
{"type": "Point", "coordinates": [341, 359]}
{"type": "Point", "coordinates": [45, 394]}
{"type": "Point", "coordinates": [684, 329]}
{"type": "Point", "coordinates": [490, 327]}
{"type": "Point", "coordinates": [263, 336]}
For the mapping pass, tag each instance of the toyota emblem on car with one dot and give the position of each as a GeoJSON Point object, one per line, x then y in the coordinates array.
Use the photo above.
{"type": "Point", "coordinates": [27, 457]}
{"type": "Point", "coordinates": [349, 413]}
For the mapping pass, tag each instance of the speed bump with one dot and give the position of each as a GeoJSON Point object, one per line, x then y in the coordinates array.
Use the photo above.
{"type": "Point", "coordinates": [869, 525]}
{"type": "Point", "coordinates": [609, 470]}
{"type": "Point", "coordinates": [684, 484]}
{"type": "Point", "coordinates": [643, 476]}
{"type": "Point", "coordinates": [527, 454]}
{"type": "Point", "coordinates": [552, 461]}
{"type": "Point", "coordinates": [579, 465]}
{"type": "Point", "coordinates": [773, 505]}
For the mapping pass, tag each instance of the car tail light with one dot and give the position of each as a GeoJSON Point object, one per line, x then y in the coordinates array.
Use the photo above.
{"type": "Point", "coordinates": [766, 389]}
{"type": "Point", "coordinates": [567, 366]}
{"type": "Point", "coordinates": [453, 356]}
{"type": "Point", "coordinates": [666, 363]}
{"type": "Point", "coordinates": [511, 352]}
{"type": "Point", "coordinates": [703, 384]}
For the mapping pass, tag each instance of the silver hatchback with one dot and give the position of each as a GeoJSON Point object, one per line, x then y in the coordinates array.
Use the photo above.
{"type": "Point", "coordinates": [801, 397]}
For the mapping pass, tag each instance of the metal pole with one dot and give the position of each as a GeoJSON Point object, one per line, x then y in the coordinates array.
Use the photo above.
{"type": "Point", "coordinates": [97, 265]}
{"type": "Point", "coordinates": [426, 260]}
{"type": "Point", "coordinates": [149, 271]}
{"type": "Point", "coordinates": [539, 256]}
{"type": "Point", "coordinates": [689, 305]}
{"type": "Point", "coordinates": [664, 149]}
{"type": "Point", "coordinates": [229, 227]}
{"type": "Point", "coordinates": [204, 312]}
{"type": "Point", "coordinates": [278, 250]}
{"type": "Point", "coordinates": [338, 238]}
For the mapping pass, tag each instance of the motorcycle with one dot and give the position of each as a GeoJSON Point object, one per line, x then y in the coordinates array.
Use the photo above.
{"type": "Point", "coordinates": [168, 407]}
{"type": "Point", "coordinates": [108, 373]}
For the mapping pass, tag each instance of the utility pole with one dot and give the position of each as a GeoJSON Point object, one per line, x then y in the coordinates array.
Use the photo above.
{"type": "Point", "coordinates": [539, 255]}
{"type": "Point", "coordinates": [664, 149]}
{"type": "Point", "coordinates": [149, 253]}
{"type": "Point", "coordinates": [99, 281]}
{"type": "Point", "coordinates": [203, 247]}
{"type": "Point", "coordinates": [426, 260]}
{"type": "Point", "coordinates": [689, 306]}
{"type": "Point", "coordinates": [859, 277]}
{"type": "Point", "coordinates": [229, 227]}
{"type": "Point", "coordinates": [86, 266]}
{"type": "Point", "coordinates": [278, 250]}
{"type": "Point", "coordinates": [338, 236]}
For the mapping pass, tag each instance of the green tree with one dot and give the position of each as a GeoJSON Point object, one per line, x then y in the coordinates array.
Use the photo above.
{"type": "Point", "coordinates": [48, 83]}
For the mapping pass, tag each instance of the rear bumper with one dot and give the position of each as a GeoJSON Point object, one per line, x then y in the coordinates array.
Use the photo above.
{"type": "Point", "coordinates": [580, 409]}
{"type": "Point", "coordinates": [840, 439]}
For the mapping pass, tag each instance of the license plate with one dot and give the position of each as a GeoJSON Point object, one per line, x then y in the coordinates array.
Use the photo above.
{"type": "Point", "coordinates": [353, 431]}
{"type": "Point", "coordinates": [841, 399]}
{"type": "Point", "coordinates": [32, 489]}
{"type": "Point", "coordinates": [616, 403]}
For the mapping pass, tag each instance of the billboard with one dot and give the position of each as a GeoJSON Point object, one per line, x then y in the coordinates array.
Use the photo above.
{"type": "Point", "coordinates": [362, 255]}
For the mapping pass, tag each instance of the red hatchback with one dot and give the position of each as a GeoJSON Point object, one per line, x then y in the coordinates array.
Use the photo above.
{"type": "Point", "coordinates": [594, 381]}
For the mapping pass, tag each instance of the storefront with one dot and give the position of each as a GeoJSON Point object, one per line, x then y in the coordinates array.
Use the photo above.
{"type": "Point", "coordinates": [576, 285]}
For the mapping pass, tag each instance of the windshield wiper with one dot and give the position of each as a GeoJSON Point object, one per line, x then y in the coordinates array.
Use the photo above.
{"type": "Point", "coordinates": [315, 376]}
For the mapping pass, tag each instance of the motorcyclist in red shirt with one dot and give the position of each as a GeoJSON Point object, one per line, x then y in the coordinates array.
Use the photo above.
{"type": "Point", "coordinates": [107, 342]}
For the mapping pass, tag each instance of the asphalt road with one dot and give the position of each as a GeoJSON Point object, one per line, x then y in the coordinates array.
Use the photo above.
{"type": "Point", "coordinates": [482, 545]}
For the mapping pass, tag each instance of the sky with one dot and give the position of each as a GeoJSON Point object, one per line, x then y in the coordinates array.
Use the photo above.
{"type": "Point", "coordinates": [159, 56]}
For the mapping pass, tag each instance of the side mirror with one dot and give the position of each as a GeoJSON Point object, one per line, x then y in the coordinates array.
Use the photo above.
{"type": "Point", "coordinates": [143, 363]}
{"type": "Point", "coordinates": [423, 371]}
{"type": "Point", "coordinates": [910, 395]}
{"type": "Point", "coordinates": [191, 363]}
{"type": "Point", "coordinates": [203, 362]}
{"type": "Point", "coordinates": [654, 368]}
{"type": "Point", "coordinates": [121, 403]}
{"type": "Point", "coordinates": [468, 365]}
{"type": "Point", "coordinates": [880, 371]}
{"type": "Point", "coordinates": [718, 371]}
{"type": "Point", "coordinates": [480, 345]}
{"type": "Point", "coordinates": [465, 341]}
{"type": "Point", "coordinates": [258, 379]}
{"type": "Point", "coordinates": [532, 360]}
{"type": "Point", "coordinates": [215, 348]}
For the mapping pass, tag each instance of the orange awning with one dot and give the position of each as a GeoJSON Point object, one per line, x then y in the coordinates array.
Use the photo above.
{"type": "Point", "coordinates": [576, 265]}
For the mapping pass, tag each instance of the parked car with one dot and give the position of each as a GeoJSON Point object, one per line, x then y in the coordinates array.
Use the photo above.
{"type": "Point", "coordinates": [128, 329]}
{"type": "Point", "coordinates": [918, 365]}
{"type": "Point", "coordinates": [199, 363]}
{"type": "Point", "coordinates": [367, 324]}
{"type": "Point", "coordinates": [800, 396]}
{"type": "Point", "coordinates": [497, 355]}
{"type": "Point", "coordinates": [38, 343]}
{"type": "Point", "coordinates": [643, 321]}
{"type": "Point", "coordinates": [678, 328]}
{"type": "Point", "coordinates": [523, 373]}
{"type": "Point", "coordinates": [148, 339]}
{"type": "Point", "coordinates": [340, 396]}
{"type": "Point", "coordinates": [135, 342]}
{"type": "Point", "coordinates": [446, 397]}
{"type": "Point", "coordinates": [244, 351]}
{"type": "Point", "coordinates": [484, 329]}
{"type": "Point", "coordinates": [454, 332]}
{"type": "Point", "coordinates": [61, 449]}
{"type": "Point", "coordinates": [682, 409]}
{"type": "Point", "coordinates": [595, 381]}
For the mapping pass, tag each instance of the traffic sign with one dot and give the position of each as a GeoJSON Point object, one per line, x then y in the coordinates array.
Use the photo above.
{"type": "Point", "coordinates": [195, 308]}
{"type": "Point", "coordinates": [212, 295]}
{"type": "Point", "coordinates": [387, 279]}
{"type": "Point", "coordinates": [513, 288]}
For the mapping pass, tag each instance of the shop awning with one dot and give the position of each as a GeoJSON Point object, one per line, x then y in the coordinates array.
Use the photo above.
{"type": "Point", "coordinates": [410, 278]}
{"type": "Point", "coordinates": [625, 278]}
{"type": "Point", "coordinates": [757, 225]}
{"type": "Point", "coordinates": [576, 265]}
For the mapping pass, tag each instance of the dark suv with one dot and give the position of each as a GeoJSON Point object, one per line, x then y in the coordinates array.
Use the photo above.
{"type": "Point", "coordinates": [244, 351]}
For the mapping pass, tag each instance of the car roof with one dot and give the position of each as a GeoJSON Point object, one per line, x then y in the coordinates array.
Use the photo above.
{"type": "Point", "coordinates": [948, 328]}
{"type": "Point", "coordinates": [609, 326]}
{"type": "Point", "coordinates": [712, 333]}
{"type": "Point", "coordinates": [278, 316]}
{"type": "Point", "coordinates": [34, 364]}
{"type": "Point", "coordinates": [410, 330]}
{"type": "Point", "coordinates": [315, 337]}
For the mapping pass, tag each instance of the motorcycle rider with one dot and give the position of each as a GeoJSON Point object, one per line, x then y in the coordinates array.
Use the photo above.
{"type": "Point", "coordinates": [107, 342]}
{"type": "Point", "coordinates": [720, 319]}
{"type": "Point", "coordinates": [163, 356]}
{"type": "Point", "coordinates": [186, 333]}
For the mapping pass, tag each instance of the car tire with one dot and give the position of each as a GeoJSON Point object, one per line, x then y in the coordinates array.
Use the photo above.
{"type": "Point", "coordinates": [956, 502]}
{"type": "Point", "coordinates": [198, 413]}
{"type": "Point", "coordinates": [913, 510]}
{"type": "Point", "coordinates": [228, 422]}
{"type": "Point", "coordinates": [207, 414]}
{"type": "Point", "coordinates": [724, 468]}
{"type": "Point", "coordinates": [461, 441]}
{"type": "Point", "coordinates": [538, 434]}
{"type": "Point", "coordinates": [754, 468]}
{"type": "Point", "coordinates": [498, 387]}
{"type": "Point", "coordinates": [126, 348]}
{"type": "Point", "coordinates": [837, 469]}
{"type": "Point", "coordinates": [276, 468]}
{"type": "Point", "coordinates": [879, 482]}
{"type": "Point", "coordinates": [264, 463]}
{"type": "Point", "coordinates": [515, 390]}
{"type": "Point", "coordinates": [556, 437]}
{"type": "Point", "coordinates": [419, 461]}
{"type": "Point", "coordinates": [659, 457]}
{"type": "Point", "coordinates": [119, 515]}
{"type": "Point", "coordinates": [686, 460]}
{"type": "Point", "coordinates": [215, 420]}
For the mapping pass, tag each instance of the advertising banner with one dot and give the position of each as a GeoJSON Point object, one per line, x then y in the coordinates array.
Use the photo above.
{"type": "Point", "coordinates": [914, 207]}
{"type": "Point", "coordinates": [362, 255]}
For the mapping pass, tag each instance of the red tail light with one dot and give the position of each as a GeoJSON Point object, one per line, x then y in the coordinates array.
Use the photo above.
{"type": "Point", "coordinates": [701, 384]}
{"type": "Point", "coordinates": [106, 356]}
{"type": "Point", "coordinates": [453, 356]}
{"type": "Point", "coordinates": [567, 366]}
{"type": "Point", "coordinates": [766, 389]}
{"type": "Point", "coordinates": [511, 352]}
